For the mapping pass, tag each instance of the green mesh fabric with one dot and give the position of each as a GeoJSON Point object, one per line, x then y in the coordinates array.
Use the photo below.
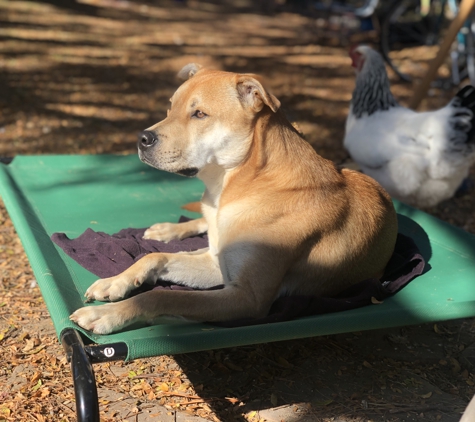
{"type": "Point", "coordinates": [47, 194]}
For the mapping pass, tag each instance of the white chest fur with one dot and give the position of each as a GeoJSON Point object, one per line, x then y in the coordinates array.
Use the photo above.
{"type": "Point", "coordinates": [213, 178]}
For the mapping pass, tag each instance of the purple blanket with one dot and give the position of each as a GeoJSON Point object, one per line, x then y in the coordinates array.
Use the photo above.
{"type": "Point", "coordinates": [108, 255]}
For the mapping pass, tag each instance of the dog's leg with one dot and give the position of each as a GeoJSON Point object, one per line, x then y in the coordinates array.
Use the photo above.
{"type": "Point", "coordinates": [171, 231]}
{"type": "Point", "coordinates": [225, 304]}
{"type": "Point", "coordinates": [196, 269]}
{"type": "Point", "coordinates": [253, 275]}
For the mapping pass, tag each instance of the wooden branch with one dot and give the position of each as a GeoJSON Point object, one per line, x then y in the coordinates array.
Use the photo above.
{"type": "Point", "coordinates": [466, 7]}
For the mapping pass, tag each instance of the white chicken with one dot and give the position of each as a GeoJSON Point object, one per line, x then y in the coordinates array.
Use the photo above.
{"type": "Point", "coordinates": [419, 158]}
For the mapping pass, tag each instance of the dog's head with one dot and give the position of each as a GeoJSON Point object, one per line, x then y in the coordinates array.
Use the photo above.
{"type": "Point", "coordinates": [210, 121]}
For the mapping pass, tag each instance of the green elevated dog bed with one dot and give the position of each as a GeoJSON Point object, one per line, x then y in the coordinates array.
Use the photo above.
{"type": "Point", "coordinates": [48, 194]}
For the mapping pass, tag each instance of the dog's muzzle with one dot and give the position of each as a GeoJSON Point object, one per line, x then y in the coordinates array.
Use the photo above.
{"type": "Point", "coordinates": [146, 140]}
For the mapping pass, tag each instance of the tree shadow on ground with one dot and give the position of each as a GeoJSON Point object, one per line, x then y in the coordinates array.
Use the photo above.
{"type": "Point", "coordinates": [96, 75]}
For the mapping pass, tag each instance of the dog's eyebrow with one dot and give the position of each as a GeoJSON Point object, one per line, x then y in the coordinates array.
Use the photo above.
{"type": "Point", "coordinates": [194, 102]}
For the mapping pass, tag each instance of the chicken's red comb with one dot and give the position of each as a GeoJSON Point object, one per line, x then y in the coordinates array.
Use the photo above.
{"type": "Point", "coordinates": [353, 48]}
{"type": "Point", "coordinates": [354, 55]}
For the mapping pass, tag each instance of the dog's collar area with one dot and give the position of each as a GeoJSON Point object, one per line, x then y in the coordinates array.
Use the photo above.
{"type": "Point", "coordinates": [193, 171]}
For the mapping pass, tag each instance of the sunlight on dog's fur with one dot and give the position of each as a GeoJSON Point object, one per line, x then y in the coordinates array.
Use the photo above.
{"type": "Point", "coordinates": [280, 218]}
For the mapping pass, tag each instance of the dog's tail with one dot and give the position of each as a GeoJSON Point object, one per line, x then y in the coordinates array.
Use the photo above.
{"type": "Point", "coordinates": [192, 206]}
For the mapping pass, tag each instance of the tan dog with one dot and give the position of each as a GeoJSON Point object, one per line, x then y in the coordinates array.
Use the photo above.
{"type": "Point", "coordinates": [281, 219]}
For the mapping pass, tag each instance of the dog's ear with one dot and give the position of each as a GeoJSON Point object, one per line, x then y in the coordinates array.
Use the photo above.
{"type": "Point", "coordinates": [188, 71]}
{"type": "Point", "coordinates": [252, 93]}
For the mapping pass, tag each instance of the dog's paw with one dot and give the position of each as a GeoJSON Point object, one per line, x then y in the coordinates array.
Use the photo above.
{"type": "Point", "coordinates": [164, 232]}
{"type": "Point", "coordinates": [102, 319]}
{"type": "Point", "coordinates": [111, 289]}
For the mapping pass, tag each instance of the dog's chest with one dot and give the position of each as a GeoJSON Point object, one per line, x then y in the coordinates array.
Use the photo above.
{"type": "Point", "coordinates": [211, 213]}
{"type": "Point", "coordinates": [213, 178]}
{"type": "Point", "coordinates": [220, 218]}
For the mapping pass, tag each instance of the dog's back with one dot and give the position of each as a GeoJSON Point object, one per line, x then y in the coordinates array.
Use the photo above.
{"type": "Point", "coordinates": [339, 225]}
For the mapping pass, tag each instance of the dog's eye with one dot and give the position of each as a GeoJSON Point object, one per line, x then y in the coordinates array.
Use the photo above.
{"type": "Point", "coordinates": [199, 114]}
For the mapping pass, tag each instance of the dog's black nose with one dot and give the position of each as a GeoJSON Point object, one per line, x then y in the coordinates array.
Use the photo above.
{"type": "Point", "coordinates": [146, 139]}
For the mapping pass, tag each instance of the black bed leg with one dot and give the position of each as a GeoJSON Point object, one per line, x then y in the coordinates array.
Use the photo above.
{"type": "Point", "coordinates": [87, 405]}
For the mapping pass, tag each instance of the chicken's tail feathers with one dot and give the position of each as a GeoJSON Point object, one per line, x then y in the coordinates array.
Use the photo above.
{"type": "Point", "coordinates": [467, 97]}
{"type": "Point", "coordinates": [464, 118]}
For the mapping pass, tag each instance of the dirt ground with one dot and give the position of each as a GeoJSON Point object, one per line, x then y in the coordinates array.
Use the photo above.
{"type": "Point", "coordinates": [86, 77]}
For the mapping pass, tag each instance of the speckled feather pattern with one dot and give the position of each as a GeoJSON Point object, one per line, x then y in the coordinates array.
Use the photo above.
{"type": "Point", "coordinates": [372, 91]}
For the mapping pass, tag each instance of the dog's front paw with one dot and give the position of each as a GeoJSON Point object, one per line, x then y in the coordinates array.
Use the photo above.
{"type": "Point", "coordinates": [111, 289]}
{"type": "Point", "coordinates": [102, 319]}
{"type": "Point", "coordinates": [164, 232]}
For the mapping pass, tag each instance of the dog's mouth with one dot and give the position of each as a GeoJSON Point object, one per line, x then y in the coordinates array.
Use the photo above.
{"type": "Point", "coordinates": [144, 159]}
{"type": "Point", "coordinates": [190, 172]}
